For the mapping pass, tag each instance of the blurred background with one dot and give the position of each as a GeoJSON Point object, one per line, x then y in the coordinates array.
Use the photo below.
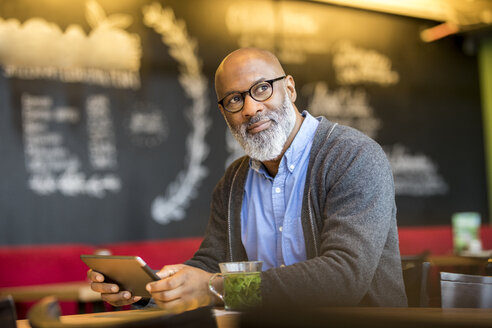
{"type": "Point", "coordinates": [110, 132]}
{"type": "Point", "coordinates": [110, 129]}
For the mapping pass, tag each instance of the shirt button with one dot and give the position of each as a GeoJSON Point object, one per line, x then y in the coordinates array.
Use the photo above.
{"type": "Point", "coordinates": [292, 167]}
{"type": "Point", "coordinates": [277, 190]}
{"type": "Point", "coordinates": [280, 228]}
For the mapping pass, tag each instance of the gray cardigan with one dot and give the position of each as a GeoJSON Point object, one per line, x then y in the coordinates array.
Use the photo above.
{"type": "Point", "coordinates": [349, 225]}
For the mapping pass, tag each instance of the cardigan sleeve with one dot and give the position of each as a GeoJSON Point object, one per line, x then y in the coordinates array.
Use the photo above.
{"type": "Point", "coordinates": [212, 250]}
{"type": "Point", "coordinates": [216, 247]}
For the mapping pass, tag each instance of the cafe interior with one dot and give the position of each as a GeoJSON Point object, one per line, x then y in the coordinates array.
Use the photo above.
{"type": "Point", "coordinates": [112, 144]}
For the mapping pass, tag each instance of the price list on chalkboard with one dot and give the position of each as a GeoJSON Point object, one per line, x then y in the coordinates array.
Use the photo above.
{"type": "Point", "coordinates": [52, 165]}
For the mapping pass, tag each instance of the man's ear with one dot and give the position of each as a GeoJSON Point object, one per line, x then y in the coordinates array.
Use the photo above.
{"type": "Point", "coordinates": [291, 88]}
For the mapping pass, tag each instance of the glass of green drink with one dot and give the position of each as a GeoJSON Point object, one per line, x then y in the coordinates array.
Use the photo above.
{"type": "Point", "coordinates": [242, 281]}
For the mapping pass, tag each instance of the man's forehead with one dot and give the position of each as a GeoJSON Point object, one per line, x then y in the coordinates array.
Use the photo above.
{"type": "Point", "coordinates": [247, 67]}
{"type": "Point", "coordinates": [240, 73]}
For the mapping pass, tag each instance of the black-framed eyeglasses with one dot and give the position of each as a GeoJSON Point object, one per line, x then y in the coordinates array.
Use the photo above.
{"type": "Point", "coordinates": [260, 91]}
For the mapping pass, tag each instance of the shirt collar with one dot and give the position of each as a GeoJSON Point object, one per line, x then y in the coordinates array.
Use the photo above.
{"type": "Point", "coordinates": [301, 140]}
{"type": "Point", "coordinates": [293, 154]}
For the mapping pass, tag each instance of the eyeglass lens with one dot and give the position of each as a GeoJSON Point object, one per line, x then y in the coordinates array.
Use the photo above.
{"type": "Point", "coordinates": [259, 92]}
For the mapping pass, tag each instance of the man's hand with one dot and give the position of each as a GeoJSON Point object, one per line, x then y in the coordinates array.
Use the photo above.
{"type": "Point", "coordinates": [110, 292]}
{"type": "Point", "coordinates": [181, 288]}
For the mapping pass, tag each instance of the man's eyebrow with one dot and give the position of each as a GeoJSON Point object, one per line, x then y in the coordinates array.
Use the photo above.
{"type": "Point", "coordinates": [256, 82]}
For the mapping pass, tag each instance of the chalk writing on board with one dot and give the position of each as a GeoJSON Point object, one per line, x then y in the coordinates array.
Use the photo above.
{"type": "Point", "coordinates": [355, 65]}
{"type": "Point", "coordinates": [107, 56]}
{"type": "Point", "coordinates": [344, 105]}
{"type": "Point", "coordinates": [101, 139]}
{"type": "Point", "coordinates": [286, 28]}
{"type": "Point", "coordinates": [415, 174]}
{"type": "Point", "coordinates": [52, 165]}
{"type": "Point", "coordinates": [147, 125]}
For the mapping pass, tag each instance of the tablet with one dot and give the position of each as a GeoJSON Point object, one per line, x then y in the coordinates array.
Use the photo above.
{"type": "Point", "coordinates": [131, 273]}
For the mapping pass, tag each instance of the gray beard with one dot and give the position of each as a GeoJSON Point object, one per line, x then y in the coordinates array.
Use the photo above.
{"type": "Point", "coordinates": [267, 144]}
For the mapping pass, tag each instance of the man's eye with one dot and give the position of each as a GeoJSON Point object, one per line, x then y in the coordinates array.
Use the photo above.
{"type": "Point", "coordinates": [235, 99]}
{"type": "Point", "coordinates": [262, 88]}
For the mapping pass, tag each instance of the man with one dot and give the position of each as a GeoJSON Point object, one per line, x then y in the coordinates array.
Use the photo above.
{"type": "Point", "coordinates": [313, 200]}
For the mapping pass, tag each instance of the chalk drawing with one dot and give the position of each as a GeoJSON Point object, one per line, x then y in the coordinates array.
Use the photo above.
{"type": "Point", "coordinates": [172, 205]}
{"type": "Point", "coordinates": [37, 49]}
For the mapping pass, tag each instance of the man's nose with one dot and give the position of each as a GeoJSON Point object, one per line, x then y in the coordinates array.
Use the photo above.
{"type": "Point", "coordinates": [251, 107]}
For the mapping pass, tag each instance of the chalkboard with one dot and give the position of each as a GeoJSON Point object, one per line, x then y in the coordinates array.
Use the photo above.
{"type": "Point", "coordinates": [109, 129]}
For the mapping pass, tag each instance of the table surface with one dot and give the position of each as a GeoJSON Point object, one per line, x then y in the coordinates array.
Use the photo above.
{"type": "Point", "coordinates": [70, 291]}
{"type": "Point", "coordinates": [226, 319]}
{"type": "Point", "coordinates": [454, 316]}
{"type": "Point", "coordinates": [457, 260]}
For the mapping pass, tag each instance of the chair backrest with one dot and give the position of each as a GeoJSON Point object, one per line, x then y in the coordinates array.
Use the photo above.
{"type": "Point", "coordinates": [415, 277]}
{"type": "Point", "coordinates": [8, 316]}
{"type": "Point", "coordinates": [46, 314]}
{"type": "Point", "coordinates": [465, 291]}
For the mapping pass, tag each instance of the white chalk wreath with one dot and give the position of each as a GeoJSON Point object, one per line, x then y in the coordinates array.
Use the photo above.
{"type": "Point", "coordinates": [171, 206]}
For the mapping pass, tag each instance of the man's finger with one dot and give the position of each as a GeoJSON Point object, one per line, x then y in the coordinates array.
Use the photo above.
{"type": "Point", "coordinates": [104, 288]}
{"type": "Point", "coordinates": [95, 276]}
{"type": "Point", "coordinates": [168, 295]}
{"type": "Point", "coordinates": [175, 306]}
{"type": "Point", "coordinates": [169, 270]}
{"type": "Point", "coordinates": [165, 284]}
{"type": "Point", "coordinates": [118, 299]}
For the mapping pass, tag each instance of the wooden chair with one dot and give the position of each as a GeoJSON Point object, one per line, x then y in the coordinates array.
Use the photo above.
{"type": "Point", "coordinates": [465, 291]}
{"type": "Point", "coordinates": [415, 277]}
{"type": "Point", "coordinates": [8, 315]}
{"type": "Point", "coordinates": [46, 314]}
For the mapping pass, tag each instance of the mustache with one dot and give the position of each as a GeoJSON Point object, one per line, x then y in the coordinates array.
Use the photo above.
{"type": "Point", "coordinates": [260, 117]}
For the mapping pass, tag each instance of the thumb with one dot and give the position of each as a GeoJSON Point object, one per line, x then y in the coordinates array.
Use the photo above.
{"type": "Point", "coordinates": [169, 270]}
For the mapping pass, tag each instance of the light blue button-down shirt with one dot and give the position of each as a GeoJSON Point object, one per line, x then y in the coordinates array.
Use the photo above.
{"type": "Point", "coordinates": [271, 229]}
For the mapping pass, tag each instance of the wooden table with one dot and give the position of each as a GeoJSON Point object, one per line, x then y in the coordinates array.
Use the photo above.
{"type": "Point", "coordinates": [224, 318]}
{"type": "Point", "coordinates": [411, 317]}
{"type": "Point", "coordinates": [419, 317]}
{"type": "Point", "coordinates": [71, 291]}
{"type": "Point", "coordinates": [457, 260]}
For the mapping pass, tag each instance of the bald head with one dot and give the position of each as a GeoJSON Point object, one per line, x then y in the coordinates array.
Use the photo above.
{"type": "Point", "coordinates": [243, 67]}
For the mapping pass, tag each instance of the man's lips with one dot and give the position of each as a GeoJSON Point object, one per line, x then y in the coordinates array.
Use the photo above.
{"type": "Point", "coordinates": [259, 126]}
